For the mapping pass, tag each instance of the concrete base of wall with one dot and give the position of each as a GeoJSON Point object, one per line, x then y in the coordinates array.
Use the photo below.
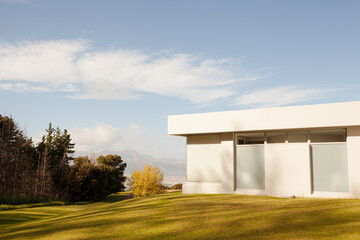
{"type": "Point", "coordinates": [250, 192]}
{"type": "Point", "coordinates": [218, 188]}
{"type": "Point", "coordinates": [331, 195]}
{"type": "Point", "coordinates": [202, 187]}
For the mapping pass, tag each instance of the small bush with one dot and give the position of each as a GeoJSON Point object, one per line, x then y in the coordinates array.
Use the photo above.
{"type": "Point", "coordinates": [165, 187]}
{"type": "Point", "coordinates": [177, 186]}
{"type": "Point", "coordinates": [19, 199]}
{"type": "Point", "coordinates": [147, 182]}
{"type": "Point", "coordinates": [31, 205]}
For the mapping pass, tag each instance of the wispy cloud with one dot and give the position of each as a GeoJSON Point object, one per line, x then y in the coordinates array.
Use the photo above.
{"type": "Point", "coordinates": [125, 74]}
{"type": "Point", "coordinates": [76, 67]}
{"type": "Point", "coordinates": [120, 73]}
{"type": "Point", "coordinates": [101, 136]}
{"type": "Point", "coordinates": [15, 1]}
{"type": "Point", "coordinates": [48, 62]}
{"type": "Point", "coordinates": [25, 87]}
{"type": "Point", "coordinates": [280, 96]}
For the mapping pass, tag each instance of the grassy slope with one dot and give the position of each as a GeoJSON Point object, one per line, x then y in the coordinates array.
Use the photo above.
{"type": "Point", "coordinates": [177, 216]}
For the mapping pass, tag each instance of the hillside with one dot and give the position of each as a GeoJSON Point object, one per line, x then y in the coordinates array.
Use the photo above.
{"type": "Point", "coordinates": [177, 216]}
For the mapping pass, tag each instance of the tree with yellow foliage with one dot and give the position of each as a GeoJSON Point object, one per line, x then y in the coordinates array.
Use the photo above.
{"type": "Point", "coordinates": [146, 182]}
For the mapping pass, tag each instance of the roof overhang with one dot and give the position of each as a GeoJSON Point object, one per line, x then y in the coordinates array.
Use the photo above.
{"type": "Point", "coordinates": [295, 117]}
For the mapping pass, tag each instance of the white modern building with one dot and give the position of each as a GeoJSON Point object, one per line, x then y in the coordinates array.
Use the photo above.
{"type": "Point", "coordinates": [305, 151]}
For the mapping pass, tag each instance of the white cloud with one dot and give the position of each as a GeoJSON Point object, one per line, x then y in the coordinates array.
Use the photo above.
{"type": "Point", "coordinates": [74, 67]}
{"type": "Point", "coordinates": [119, 73]}
{"type": "Point", "coordinates": [14, 1]}
{"type": "Point", "coordinates": [105, 89]}
{"type": "Point", "coordinates": [102, 136]}
{"type": "Point", "coordinates": [125, 74]}
{"type": "Point", "coordinates": [47, 62]}
{"type": "Point", "coordinates": [106, 137]}
{"type": "Point", "coordinates": [23, 87]}
{"type": "Point", "coordinates": [280, 96]}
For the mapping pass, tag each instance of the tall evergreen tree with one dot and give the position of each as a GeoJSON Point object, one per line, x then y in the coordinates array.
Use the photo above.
{"type": "Point", "coordinates": [16, 158]}
{"type": "Point", "coordinates": [55, 152]}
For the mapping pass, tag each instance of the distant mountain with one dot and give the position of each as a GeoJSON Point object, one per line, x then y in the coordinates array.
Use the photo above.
{"type": "Point", "coordinates": [173, 170]}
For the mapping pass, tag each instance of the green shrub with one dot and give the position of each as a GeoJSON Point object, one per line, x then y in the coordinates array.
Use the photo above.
{"type": "Point", "coordinates": [31, 205]}
{"type": "Point", "coordinates": [19, 199]}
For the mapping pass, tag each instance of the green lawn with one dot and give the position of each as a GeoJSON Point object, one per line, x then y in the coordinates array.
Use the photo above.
{"type": "Point", "coordinates": [177, 216]}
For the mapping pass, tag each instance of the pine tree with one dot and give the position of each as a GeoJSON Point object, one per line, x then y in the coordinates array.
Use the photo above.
{"type": "Point", "coordinates": [55, 152]}
{"type": "Point", "coordinates": [16, 158]}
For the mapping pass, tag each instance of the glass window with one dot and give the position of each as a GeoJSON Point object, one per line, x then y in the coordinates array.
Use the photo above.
{"type": "Point", "coordinates": [337, 135]}
{"type": "Point", "coordinates": [250, 138]}
{"type": "Point", "coordinates": [295, 137]}
{"type": "Point", "coordinates": [250, 167]}
{"type": "Point", "coordinates": [329, 167]}
{"type": "Point", "coordinates": [275, 137]}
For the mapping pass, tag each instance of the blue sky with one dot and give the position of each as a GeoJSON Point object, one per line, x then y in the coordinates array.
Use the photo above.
{"type": "Point", "coordinates": [112, 71]}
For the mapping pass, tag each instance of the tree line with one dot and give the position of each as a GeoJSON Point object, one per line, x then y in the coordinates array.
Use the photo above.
{"type": "Point", "coordinates": [47, 169]}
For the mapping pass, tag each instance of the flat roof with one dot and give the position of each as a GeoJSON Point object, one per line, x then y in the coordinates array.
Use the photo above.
{"type": "Point", "coordinates": [295, 117]}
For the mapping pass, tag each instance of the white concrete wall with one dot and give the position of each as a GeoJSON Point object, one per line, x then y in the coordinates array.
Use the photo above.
{"type": "Point", "coordinates": [203, 158]}
{"type": "Point", "coordinates": [353, 151]}
{"type": "Point", "coordinates": [210, 164]}
{"type": "Point", "coordinates": [287, 169]}
{"type": "Point", "coordinates": [202, 187]}
{"type": "Point", "coordinates": [227, 163]}
{"type": "Point", "coordinates": [296, 117]}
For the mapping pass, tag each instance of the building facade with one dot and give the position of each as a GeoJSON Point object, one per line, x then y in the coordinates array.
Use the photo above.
{"type": "Point", "coordinates": [303, 151]}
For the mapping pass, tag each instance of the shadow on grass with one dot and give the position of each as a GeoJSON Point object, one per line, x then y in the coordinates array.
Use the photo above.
{"type": "Point", "coordinates": [8, 218]}
{"type": "Point", "coordinates": [115, 197]}
{"type": "Point", "coordinates": [175, 216]}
